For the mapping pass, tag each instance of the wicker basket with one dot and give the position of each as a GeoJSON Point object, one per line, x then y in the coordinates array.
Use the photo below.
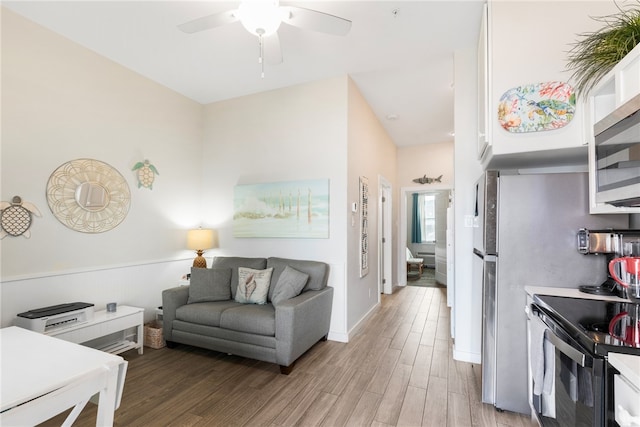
{"type": "Point", "coordinates": [153, 334]}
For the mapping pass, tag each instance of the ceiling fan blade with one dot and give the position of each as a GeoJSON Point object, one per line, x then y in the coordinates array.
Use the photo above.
{"type": "Point", "coordinates": [316, 21]}
{"type": "Point", "coordinates": [272, 50]}
{"type": "Point", "coordinates": [210, 21]}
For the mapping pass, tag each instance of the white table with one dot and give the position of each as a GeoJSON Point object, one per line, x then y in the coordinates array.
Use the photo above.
{"type": "Point", "coordinates": [42, 376]}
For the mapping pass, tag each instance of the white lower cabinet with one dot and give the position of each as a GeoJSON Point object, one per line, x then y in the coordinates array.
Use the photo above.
{"type": "Point", "coordinates": [626, 388]}
{"type": "Point", "coordinates": [114, 332]}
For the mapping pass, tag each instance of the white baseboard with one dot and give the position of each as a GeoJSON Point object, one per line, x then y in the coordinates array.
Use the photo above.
{"type": "Point", "coordinates": [338, 336]}
{"type": "Point", "coordinates": [359, 325]}
{"type": "Point", "coordinates": [463, 356]}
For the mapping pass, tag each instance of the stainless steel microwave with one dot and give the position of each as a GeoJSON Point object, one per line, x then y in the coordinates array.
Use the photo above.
{"type": "Point", "coordinates": [617, 156]}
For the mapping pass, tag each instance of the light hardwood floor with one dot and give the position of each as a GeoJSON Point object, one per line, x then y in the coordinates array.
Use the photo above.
{"type": "Point", "coordinates": [397, 371]}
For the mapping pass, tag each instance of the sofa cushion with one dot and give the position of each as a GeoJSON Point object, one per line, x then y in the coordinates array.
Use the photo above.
{"type": "Point", "coordinates": [233, 263]}
{"type": "Point", "coordinates": [318, 272]}
{"type": "Point", "coordinates": [250, 318]}
{"type": "Point", "coordinates": [209, 284]}
{"type": "Point", "coordinates": [289, 285]}
{"type": "Point", "coordinates": [204, 313]}
{"type": "Point", "coordinates": [253, 285]}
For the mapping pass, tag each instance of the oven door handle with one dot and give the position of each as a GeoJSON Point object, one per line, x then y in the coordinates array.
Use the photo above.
{"type": "Point", "coordinates": [566, 349]}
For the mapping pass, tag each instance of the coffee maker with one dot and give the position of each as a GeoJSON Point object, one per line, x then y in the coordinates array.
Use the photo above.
{"type": "Point", "coordinates": [612, 244]}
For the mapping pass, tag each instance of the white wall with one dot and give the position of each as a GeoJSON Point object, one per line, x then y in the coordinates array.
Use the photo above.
{"type": "Point", "coordinates": [295, 133]}
{"type": "Point", "coordinates": [61, 102]}
{"type": "Point", "coordinates": [432, 160]}
{"type": "Point", "coordinates": [289, 134]}
{"type": "Point", "coordinates": [467, 304]}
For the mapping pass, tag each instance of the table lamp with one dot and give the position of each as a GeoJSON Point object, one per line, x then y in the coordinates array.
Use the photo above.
{"type": "Point", "coordinates": [199, 240]}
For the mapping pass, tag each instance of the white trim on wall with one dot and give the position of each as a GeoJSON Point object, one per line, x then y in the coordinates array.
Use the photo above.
{"type": "Point", "coordinates": [93, 269]}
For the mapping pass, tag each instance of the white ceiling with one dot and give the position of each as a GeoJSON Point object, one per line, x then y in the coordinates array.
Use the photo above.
{"type": "Point", "coordinates": [402, 63]}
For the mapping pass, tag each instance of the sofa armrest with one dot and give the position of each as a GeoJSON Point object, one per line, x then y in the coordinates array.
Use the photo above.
{"type": "Point", "coordinates": [171, 300]}
{"type": "Point", "coordinates": [301, 322]}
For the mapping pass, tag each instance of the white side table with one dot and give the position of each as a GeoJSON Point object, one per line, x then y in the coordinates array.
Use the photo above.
{"type": "Point", "coordinates": [105, 324]}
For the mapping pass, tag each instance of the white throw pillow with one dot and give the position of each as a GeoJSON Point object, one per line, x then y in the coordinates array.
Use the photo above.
{"type": "Point", "coordinates": [253, 285]}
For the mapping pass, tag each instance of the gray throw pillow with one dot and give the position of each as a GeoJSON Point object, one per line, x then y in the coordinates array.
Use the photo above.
{"type": "Point", "coordinates": [209, 284]}
{"type": "Point", "coordinates": [289, 285]}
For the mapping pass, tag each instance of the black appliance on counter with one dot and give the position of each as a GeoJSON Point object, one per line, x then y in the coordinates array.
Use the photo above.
{"type": "Point", "coordinates": [578, 328]}
{"type": "Point", "coordinates": [612, 244]}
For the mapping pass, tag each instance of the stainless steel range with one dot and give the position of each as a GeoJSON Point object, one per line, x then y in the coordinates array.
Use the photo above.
{"type": "Point", "coordinates": [581, 334]}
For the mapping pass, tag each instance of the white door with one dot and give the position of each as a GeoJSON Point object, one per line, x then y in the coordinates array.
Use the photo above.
{"type": "Point", "coordinates": [386, 237]}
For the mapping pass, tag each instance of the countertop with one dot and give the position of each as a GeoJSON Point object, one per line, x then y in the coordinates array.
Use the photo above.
{"type": "Point", "coordinates": [568, 292]}
{"type": "Point", "coordinates": [628, 365]}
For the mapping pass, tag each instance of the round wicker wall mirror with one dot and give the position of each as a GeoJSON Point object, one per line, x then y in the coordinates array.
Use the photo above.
{"type": "Point", "coordinates": [88, 195]}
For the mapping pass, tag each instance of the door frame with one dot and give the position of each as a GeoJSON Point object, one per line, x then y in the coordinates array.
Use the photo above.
{"type": "Point", "coordinates": [385, 257]}
{"type": "Point", "coordinates": [405, 193]}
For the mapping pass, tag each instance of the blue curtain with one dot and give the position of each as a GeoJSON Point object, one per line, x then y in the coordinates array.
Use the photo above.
{"type": "Point", "coordinates": [416, 228]}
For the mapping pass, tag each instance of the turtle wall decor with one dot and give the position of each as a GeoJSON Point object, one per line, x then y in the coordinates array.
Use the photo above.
{"type": "Point", "coordinates": [16, 217]}
{"type": "Point", "coordinates": [146, 174]}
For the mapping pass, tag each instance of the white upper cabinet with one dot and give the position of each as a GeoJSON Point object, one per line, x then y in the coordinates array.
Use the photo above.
{"type": "Point", "coordinates": [527, 44]}
{"type": "Point", "coordinates": [484, 138]}
{"type": "Point", "coordinates": [616, 169]}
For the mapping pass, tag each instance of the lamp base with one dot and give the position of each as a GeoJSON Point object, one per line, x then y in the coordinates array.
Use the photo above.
{"type": "Point", "coordinates": [200, 261]}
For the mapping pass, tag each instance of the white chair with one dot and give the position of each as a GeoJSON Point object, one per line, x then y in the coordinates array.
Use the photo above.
{"type": "Point", "coordinates": [413, 262]}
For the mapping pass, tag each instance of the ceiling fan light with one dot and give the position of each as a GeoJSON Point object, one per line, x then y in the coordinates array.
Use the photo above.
{"type": "Point", "coordinates": [260, 17]}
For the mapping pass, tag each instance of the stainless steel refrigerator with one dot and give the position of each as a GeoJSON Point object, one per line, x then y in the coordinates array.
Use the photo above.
{"type": "Point", "coordinates": [526, 235]}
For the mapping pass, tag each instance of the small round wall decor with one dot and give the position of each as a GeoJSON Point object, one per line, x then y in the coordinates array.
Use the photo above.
{"type": "Point", "coordinates": [16, 217]}
{"type": "Point", "coordinates": [88, 195]}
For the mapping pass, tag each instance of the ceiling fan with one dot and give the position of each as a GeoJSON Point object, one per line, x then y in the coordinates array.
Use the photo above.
{"type": "Point", "coordinates": [262, 18]}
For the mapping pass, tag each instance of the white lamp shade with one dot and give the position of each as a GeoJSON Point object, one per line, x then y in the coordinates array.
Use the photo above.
{"type": "Point", "coordinates": [201, 239]}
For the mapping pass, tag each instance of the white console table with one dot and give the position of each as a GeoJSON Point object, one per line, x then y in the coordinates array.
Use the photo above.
{"type": "Point", "coordinates": [43, 376]}
{"type": "Point", "coordinates": [104, 324]}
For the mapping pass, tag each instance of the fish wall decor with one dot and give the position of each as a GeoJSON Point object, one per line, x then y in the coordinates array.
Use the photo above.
{"type": "Point", "coordinates": [426, 180]}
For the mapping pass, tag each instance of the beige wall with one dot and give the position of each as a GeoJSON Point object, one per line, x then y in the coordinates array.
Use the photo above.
{"type": "Point", "coordinates": [432, 160]}
{"type": "Point", "coordinates": [372, 153]}
{"type": "Point", "coordinates": [61, 102]}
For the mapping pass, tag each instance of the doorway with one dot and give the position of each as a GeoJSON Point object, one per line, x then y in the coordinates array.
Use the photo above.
{"type": "Point", "coordinates": [435, 253]}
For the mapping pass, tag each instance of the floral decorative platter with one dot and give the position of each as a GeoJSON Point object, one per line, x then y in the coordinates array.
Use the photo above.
{"type": "Point", "coordinates": [537, 107]}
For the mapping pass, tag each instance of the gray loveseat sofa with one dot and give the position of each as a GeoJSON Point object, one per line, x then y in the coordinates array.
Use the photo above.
{"type": "Point", "coordinates": [212, 311]}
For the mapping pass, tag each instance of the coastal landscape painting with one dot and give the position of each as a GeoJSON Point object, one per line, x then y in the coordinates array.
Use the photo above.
{"type": "Point", "coordinates": [291, 209]}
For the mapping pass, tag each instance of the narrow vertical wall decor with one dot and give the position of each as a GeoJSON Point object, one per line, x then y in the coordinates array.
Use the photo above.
{"type": "Point", "coordinates": [364, 226]}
